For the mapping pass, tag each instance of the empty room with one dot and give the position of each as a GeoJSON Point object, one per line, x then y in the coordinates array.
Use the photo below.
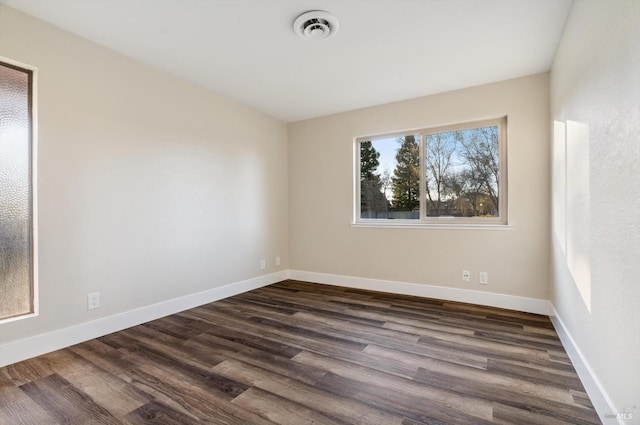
{"type": "Point", "coordinates": [319, 212]}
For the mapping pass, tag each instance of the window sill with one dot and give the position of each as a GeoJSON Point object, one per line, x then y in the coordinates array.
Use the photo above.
{"type": "Point", "coordinates": [440, 226]}
{"type": "Point", "coordinates": [16, 318]}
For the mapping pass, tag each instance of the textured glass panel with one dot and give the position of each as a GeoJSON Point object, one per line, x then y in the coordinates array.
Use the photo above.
{"type": "Point", "coordinates": [15, 192]}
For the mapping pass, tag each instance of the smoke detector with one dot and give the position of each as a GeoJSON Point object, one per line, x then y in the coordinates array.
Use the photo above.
{"type": "Point", "coordinates": [316, 25]}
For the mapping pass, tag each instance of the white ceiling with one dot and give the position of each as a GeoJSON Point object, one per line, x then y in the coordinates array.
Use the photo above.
{"type": "Point", "coordinates": [385, 50]}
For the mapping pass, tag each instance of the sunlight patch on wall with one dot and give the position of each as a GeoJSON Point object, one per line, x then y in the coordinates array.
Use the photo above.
{"type": "Point", "coordinates": [571, 201]}
{"type": "Point", "coordinates": [559, 189]}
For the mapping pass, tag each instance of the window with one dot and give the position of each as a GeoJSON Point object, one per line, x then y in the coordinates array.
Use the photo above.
{"type": "Point", "coordinates": [446, 175]}
{"type": "Point", "coordinates": [17, 275]}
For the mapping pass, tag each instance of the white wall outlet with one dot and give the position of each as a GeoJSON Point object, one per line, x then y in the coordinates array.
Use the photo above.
{"type": "Point", "coordinates": [263, 264]}
{"type": "Point", "coordinates": [483, 277]}
{"type": "Point", "coordinates": [466, 275]}
{"type": "Point", "coordinates": [93, 300]}
{"type": "Point", "coordinates": [277, 261]}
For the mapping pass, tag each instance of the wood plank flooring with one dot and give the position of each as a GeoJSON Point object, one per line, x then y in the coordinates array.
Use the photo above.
{"type": "Point", "coordinates": [298, 353]}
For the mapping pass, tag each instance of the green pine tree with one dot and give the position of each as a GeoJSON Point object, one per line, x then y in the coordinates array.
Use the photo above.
{"type": "Point", "coordinates": [406, 176]}
{"type": "Point", "coordinates": [368, 161]}
{"type": "Point", "coordinates": [372, 200]}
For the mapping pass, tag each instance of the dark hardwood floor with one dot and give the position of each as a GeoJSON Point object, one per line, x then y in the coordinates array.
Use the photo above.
{"type": "Point", "coordinates": [299, 353]}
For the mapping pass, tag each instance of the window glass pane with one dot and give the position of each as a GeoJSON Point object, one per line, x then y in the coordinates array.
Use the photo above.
{"type": "Point", "coordinates": [390, 178]}
{"type": "Point", "coordinates": [462, 173]}
{"type": "Point", "coordinates": [15, 192]}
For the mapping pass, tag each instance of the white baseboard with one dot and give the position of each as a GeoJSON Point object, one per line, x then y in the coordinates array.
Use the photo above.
{"type": "Point", "coordinates": [599, 398]}
{"type": "Point", "coordinates": [27, 348]}
{"type": "Point", "coordinates": [511, 302]}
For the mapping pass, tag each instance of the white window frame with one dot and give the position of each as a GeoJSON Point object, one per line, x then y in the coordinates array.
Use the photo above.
{"type": "Point", "coordinates": [500, 223]}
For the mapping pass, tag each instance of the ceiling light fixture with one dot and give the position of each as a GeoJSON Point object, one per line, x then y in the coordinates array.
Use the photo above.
{"type": "Point", "coordinates": [316, 25]}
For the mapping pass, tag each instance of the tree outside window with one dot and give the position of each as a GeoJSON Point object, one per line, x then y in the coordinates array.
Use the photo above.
{"type": "Point", "coordinates": [462, 171]}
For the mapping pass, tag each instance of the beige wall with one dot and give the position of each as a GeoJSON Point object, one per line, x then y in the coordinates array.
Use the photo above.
{"type": "Point", "coordinates": [595, 81]}
{"type": "Point", "coordinates": [149, 188]}
{"type": "Point", "coordinates": [321, 172]}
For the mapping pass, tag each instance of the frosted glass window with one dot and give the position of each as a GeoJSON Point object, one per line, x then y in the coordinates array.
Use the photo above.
{"type": "Point", "coordinates": [16, 212]}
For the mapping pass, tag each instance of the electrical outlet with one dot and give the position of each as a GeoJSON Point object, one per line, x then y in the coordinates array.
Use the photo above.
{"type": "Point", "coordinates": [93, 300]}
{"type": "Point", "coordinates": [277, 261]}
{"type": "Point", "coordinates": [483, 277]}
{"type": "Point", "coordinates": [263, 264]}
{"type": "Point", "coordinates": [466, 275]}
